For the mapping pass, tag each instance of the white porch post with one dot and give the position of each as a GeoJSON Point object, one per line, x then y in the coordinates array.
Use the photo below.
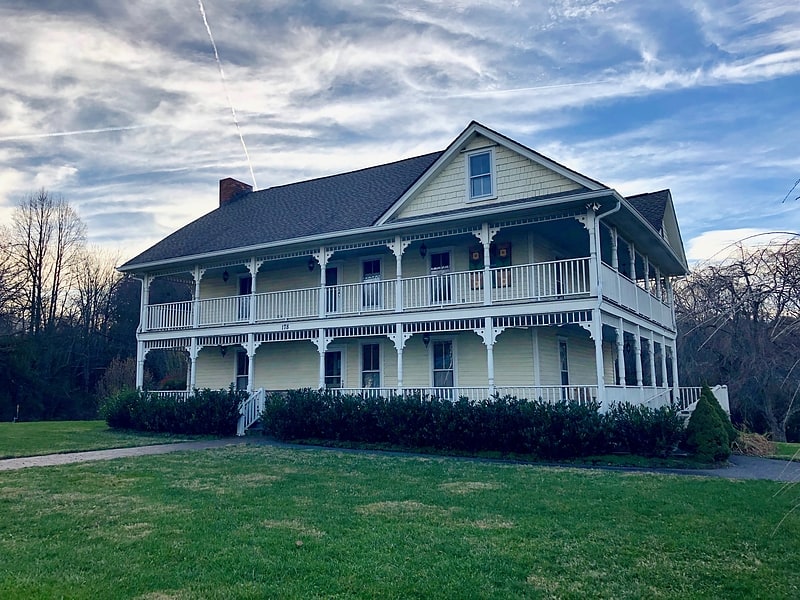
{"type": "Point", "coordinates": [664, 362]}
{"type": "Point", "coordinates": [592, 225]}
{"type": "Point", "coordinates": [632, 252]}
{"type": "Point", "coordinates": [399, 339]}
{"type": "Point", "coordinates": [322, 257]}
{"type": "Point", "coordinates": [253, 267]}
{"type": "Point", "coordinates": [145, 300]}
{"type": "Point", "coordinates": [194, 350]}
{"type": "Point", "coordinates": [251, 359]}
{"type": "Point", "coordinates": [646, 273]}
{"type": "Point", "coordinates": [659, 295]}
{"type": "Point", "coordinates": [197, 274]}
{"type": "Point", "coordinates": [322, 345]}
{"type": "Point", "coordinates": [489, 335]}
{"type": "Point", "coordinates": [486, 241]}
{"type": "Point", "coordinates": [140, 356]}
{"type": "Point", "coordinates": [675, 384]}
{"type": "Point", "coordinates": [651, 358]}
{"type": "Point", "coordinates": [615, 259]}
{"type": "Point", "coordinates": [621, 353]}
{"type": "Point", "coordinates": [597, 334]}
{"type": "Point", "coordinates": [397, 248]}
{"type": "Point", "coordinates": [637, 344]}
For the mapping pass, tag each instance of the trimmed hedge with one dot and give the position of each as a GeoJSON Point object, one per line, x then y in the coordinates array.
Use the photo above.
{"type": "Point", "coordinates": [206, 412]}
{"type": "Point", "coordinates": [503, 424]}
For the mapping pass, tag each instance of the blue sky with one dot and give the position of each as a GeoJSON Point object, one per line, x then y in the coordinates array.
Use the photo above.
{"type": "Point", "coordinates": [120, 107]}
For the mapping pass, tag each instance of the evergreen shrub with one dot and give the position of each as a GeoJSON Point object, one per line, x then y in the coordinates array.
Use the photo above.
{"type": "Point", "coordinates": [706, 437]}
{"type": "Point", "coordinates": [506, 424]}
{"type": "Point", "coordinates": [730, 430]}
{"type": "Point", "coordinates": [206, 412]}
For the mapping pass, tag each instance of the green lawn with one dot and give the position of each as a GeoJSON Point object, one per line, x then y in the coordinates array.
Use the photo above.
{"type": "Point", "coordinates": [787, 450]}
{"type": "Point", "coordinates": [52, 437]}
{"type": "Point", "coordinates": [263, 522]}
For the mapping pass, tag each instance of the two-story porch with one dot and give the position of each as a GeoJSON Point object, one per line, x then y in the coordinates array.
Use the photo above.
{"type": "Point", "coordinates": [552, 303]}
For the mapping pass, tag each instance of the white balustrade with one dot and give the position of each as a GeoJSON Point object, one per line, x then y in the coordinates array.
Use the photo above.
{"type": "Point", "coordinates": [291, 304]}
{"type": "Point", "coordinates": [532, 282]}
{"type": "Point", "coordinates": [174, 315]}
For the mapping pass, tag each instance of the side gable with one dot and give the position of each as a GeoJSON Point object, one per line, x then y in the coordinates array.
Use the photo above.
{"type": "Point", "coordinates": [519, 174]}
{"type": "Point", "coordinates": [657, 208]}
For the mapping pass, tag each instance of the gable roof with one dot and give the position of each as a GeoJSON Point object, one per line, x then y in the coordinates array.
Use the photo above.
{"type": "Point", "coordinates": [317, 206]}
{"type": "Point", "coordinates": [651, 206]}
{"type": "Point", "coordinates": [473, 130]}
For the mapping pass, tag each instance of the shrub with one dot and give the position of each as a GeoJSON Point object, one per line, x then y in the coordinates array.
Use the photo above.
{"type": "Point", "coordinates": [639, 429]}
{"type": "Point", "coordinates": [502, 424]}
{"type": "Point", "coordinates": [706, 437]}
{"type": "Point", "coordinates": [206, 412]}
{"type": "Point", "coordinates": [723, 416]}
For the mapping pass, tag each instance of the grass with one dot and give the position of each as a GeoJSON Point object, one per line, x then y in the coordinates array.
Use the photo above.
{"type": "Point", "coordinates": [53, 437]}
{"type": "Point", "coordinates": [787, 450]}
{"type": "Point", "coordinates": [264, 522]}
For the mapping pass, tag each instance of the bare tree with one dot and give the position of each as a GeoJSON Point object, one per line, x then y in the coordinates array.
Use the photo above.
{"type": "Point", "coordinates": [10, 283]}
{"type": "Point", "coordinates": [47, 240]}
{"type": "Point", "coordinates": [739, 321]}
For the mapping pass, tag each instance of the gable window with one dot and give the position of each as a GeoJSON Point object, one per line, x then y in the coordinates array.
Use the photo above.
{"type": "Point", "coordinates": [481, 184]}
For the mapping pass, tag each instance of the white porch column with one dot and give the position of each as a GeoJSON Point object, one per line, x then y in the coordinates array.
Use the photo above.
{"type": "Point", "coordinates": [614, 248]}
{"type": "Point", "coordinates": [597, 334]}
{"type": "Point", "coordinates": [399, 338]}
{"type": "Point", "coordinates": [637, 345]}
{"type": "Point", "coordinates": [646, 274]}
{"type": "Point", "coordinates": [651, 358]}
{"type": "Point", "coordinates": [592, 226]}
{"type": "Point", "coordinates": [664, 362]}
{"type": "Point", "coordinates": [194, 350]}
{"type": "Point", "coordinates": [251, 359]}
{"type": "Point", "coordinates": [675, 384]}
{"type": "Point", "coordinates": [397, 248]}
{"type": "Point", "coordinates": [659, 295]}
{"type": "Point", "coordinates": [144, 302]}
{"type": "Point", "coordinates": [322, 257]}
{"type": "Point", "coordinates": [486, 240]}
{"type": "Point", "coordinates": [197, 274]}
{"type": "Point", "coordinates": [140, 356]}
{"type": "Point", "coordinates": [489, 335]}
{"type": "Point", "coordinates": [322, 345]}
{"type": "Point", "coordinates": [632, 252]}
{"type": "Point", "coordinates": [253, 267]}
{"type": "Point", "coordinates": [621, 354]}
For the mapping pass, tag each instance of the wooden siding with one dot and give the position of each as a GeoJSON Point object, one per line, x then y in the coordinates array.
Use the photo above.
{"type": "Point", "coordinates": [516, 178]}
{"type": "Point", "coordinates": [214, 370]}
{"type": "Point", "coordinates": [286, 365]}
{"type": "Point", "coordinates": [513, 358]}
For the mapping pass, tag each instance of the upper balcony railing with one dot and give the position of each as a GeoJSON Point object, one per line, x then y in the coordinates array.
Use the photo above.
{"type": "Point", "coordinates": [532, 282]}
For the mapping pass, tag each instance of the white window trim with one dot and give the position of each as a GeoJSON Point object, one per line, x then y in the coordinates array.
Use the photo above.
{"type": "Point", "coordinates": [449, 249]}
{"type": "Point", "coordinates": [492, 172]}
{"type": "Point", "coordinates": [378, 257]}
{"type": "Point", "coordinates": [343, 350]}
{"type": "Point", "coordinates": [454, 346]}
{"type": "Point", "coordinates": [361, 361]}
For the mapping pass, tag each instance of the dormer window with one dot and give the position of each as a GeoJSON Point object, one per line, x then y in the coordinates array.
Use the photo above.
{"type": "Point", "coordinates": [481, 176]}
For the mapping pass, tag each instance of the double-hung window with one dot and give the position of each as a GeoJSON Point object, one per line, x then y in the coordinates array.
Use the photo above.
{"type": "Point", "coordinates": [481, 182]}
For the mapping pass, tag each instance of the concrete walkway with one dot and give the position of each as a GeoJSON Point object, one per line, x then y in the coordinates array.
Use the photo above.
{"type": "Point", "coordinates": [740, 467]}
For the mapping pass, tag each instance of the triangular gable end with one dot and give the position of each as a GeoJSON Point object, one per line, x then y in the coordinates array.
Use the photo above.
{"type": "Point", "coordinates": [520, 173]}
{"type": "Point", "coordinates": [671, 231]}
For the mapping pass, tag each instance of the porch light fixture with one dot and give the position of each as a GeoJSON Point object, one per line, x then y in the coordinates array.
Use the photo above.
{"type": "Point", "coordinates": [423, 251]}
{"type": "Point", "coordinates": [225, 276]}
{"type": "Point", "coordinates": [311, 263]}
{"type": "Point", "coordinates": [223, 350]}
{"type": "Point", "coordinates": [426, 339]}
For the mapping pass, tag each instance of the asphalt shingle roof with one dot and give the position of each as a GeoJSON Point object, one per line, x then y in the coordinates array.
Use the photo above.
{"type": "Point", "coordinates": [651, 206]}
{"type": "Point", "coordinates": [336, 203]}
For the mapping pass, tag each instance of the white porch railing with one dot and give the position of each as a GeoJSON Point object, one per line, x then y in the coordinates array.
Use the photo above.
{"type": "Point", "coordinates": [533, 282]}
{"type": "Point", "coordinates": [250, 411]}
{"type": "Point", "coordinates": [690, 395]}
{"type": "Point", "coordinates": [291, 304]}
{"type": "Point", "coordinates": [620, 289]}
{"type": "Point", "coordinates": [551, 393]}
{"type": "Point", "coordinates": [181, 395]}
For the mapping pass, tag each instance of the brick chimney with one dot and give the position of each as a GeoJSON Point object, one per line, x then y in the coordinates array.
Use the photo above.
{"type": "Point", "coordinates": [230, 189]}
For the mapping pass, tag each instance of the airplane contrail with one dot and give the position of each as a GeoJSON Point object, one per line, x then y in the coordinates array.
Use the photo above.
{"type": "Point", "coordinates": [32, 136]}
{"type": "Point", "coordinates": [227, 95]}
